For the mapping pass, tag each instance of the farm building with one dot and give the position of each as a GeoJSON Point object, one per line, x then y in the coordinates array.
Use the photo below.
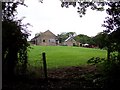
{"type": "Point", "coordinates": [46, 38]}
{"type": "Point", "coordinates": [70, 41]}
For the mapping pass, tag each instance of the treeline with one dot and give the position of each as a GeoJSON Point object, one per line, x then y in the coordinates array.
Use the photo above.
{"type": "Point", "coordinates": [97, 40]}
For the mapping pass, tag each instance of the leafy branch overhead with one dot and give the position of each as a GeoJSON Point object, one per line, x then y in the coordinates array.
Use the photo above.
{"type": "Point", "coordinates": [82, 6]}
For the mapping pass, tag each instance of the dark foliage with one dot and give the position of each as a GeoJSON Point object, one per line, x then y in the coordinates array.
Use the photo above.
{"type": "Point", "coordinates": [95, 60]}
{"type": "Point", "coordinates": [82, 6]}
{"type": "Point", "coordinates": [83, 39]}
{"type": "Point", "coordinates": [62, 78]}
{"type": "Point", "coordinates": [112, 25]}
{"type": "Point", "coordinates": [111, 73]}
{"type": "Point", "coordinates": [14, 40]}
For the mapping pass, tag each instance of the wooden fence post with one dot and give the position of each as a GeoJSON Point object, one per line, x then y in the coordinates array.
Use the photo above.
{"type": "Point", "coordinates": [44, 64]}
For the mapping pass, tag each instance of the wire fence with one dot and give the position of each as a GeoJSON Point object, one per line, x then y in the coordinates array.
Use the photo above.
{"type": "Point", "coordinates": [38, 67]}
{"type": "Point", "coordinates": [35, 67]}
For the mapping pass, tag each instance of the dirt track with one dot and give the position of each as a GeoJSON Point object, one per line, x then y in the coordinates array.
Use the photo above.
{"type": "Point", "coordinates": [70, 77]}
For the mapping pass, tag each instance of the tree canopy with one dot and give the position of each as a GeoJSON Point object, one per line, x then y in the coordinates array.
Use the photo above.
{"type": "Point", "coordinates": [65, 35]}
{"type": "Point", "coordinates": [83, 39]}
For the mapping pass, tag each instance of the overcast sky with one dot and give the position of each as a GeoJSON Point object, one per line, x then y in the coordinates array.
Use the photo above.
{"type": "Point", "coordinates": [50, 15]}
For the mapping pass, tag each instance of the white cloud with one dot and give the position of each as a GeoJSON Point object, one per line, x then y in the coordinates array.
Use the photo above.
{"type": "Point", "coordinates": [50, 15]}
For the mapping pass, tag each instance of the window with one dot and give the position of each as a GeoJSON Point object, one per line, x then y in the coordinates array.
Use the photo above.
{"type": "Point", "coordinates": [52, 40]}
{"type": "Point", "coordinates": [44, 40]}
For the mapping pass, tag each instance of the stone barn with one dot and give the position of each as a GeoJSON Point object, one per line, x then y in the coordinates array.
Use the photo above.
{"type": "Point", "coordinates": [46, 38]}
{"type": "Point", "coordinates": [70, 42]}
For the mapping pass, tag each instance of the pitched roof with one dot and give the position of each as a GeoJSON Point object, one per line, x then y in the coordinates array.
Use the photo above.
{"type": "Point", "coordinates": [42, 33]}
{"type": "Point", "coordinates": [69, 38]}
{"type": "Point", "coordinates": [34, 38]}
{"type": "Point", "coordinates": [49, 32]}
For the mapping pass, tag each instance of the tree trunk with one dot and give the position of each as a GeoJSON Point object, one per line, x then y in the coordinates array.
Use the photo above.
{"type": "Point", "coordinates": [11, 61]}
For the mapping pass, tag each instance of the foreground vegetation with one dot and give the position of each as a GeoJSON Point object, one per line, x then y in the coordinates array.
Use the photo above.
{"type": "Point", "coordinates": [63, 56]}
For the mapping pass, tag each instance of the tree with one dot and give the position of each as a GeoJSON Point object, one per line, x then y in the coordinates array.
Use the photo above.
{"type": "Point", "coordinates": [102, 40]}
{"type": "Point", "coordinates": [71, 34]}
{"type": "Point", "coordinates": [64, 35]}
{"type": "Point", "coordinates": [14, 39]}
{"type": "Point", "coordinates": [112, 25]}
{"type": "Point", "coordinates": [83, 39]}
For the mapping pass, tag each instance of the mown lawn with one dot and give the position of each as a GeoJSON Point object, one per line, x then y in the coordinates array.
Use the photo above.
{"type": "Point", "coordinates": [62, 56]}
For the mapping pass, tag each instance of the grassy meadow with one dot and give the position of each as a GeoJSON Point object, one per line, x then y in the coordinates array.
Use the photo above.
{"type": "Point", "coordinates": [62, 56]}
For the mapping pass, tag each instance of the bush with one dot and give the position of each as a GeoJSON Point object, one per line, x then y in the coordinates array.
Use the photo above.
{"type": "Point", "coordinates": [111, 73]}
{"type": "Point", "coordinates": [109, 70]}
{"type": "Point", "coordinates": [95, 60]}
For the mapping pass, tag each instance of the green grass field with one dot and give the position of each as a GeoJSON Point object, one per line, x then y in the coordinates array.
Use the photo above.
{"type": "Point", "coordinates": [62, 56]}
